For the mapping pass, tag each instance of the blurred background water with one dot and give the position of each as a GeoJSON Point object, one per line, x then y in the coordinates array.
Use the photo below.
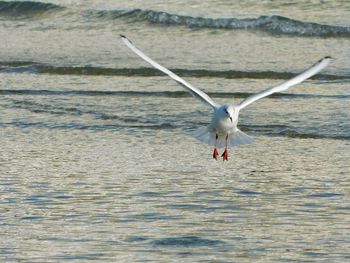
{"type": "Point", "coordinates": [95, 160]}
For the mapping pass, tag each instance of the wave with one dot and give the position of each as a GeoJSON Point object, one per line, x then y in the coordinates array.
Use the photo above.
{"type": "Point", "coordinates": [135, 126]}
{"type": "Point", "coordinates": [33, 67]}
{"type": "Point", "coordinates": [170, 94]}
{"type": "Point", "coordinates": [122, 122]}
{"type": "Point", "coordinates": [303, 135]}
{"type": "Point", "coordinates": [79, 126]}
{"type": "Point", "coordinates": [276, 25]}
{"type": "Point", "coordinates": [292, 132]}
{"type": "Point", "coordinates": [187, 241]}
{"type": "Point", "coordinates": [26, 8]}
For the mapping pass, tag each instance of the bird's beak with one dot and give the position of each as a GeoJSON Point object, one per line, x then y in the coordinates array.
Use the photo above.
{"type": "Point", "coordinates": [231, 119]}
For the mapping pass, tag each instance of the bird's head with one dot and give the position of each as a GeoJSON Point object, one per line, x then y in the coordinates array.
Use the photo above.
{"type": "Point", "coordinates": [228, 112]}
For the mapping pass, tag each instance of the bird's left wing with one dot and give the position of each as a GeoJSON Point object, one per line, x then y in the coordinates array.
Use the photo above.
{"type": "Point", "coordinates": [194, 91]}
{"type": "Point", "coordinates": [317, 67]}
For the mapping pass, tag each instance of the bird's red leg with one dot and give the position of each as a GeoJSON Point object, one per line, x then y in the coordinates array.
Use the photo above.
{"type": "Point", "coordinates": [215, 153]}
{"type": "Point", "coordinates": [225, 153]}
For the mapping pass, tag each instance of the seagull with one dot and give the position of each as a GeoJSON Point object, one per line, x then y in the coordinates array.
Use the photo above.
{"type": "Point", "coordinates": [222, 130]}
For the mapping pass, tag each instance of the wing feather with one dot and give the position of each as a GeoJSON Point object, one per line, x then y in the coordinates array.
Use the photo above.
{"type": "Point", "coordinates": [314, 69]}
{"type": "Point", "coordinates": [194, 91]}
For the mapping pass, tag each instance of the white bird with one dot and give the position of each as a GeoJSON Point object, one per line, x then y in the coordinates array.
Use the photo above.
{"type": "Point", "coordinates": [222, 130]}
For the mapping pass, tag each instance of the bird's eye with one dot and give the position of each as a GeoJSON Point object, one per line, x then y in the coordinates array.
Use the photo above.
{"type": "Point", "coordinates": [226, 111]}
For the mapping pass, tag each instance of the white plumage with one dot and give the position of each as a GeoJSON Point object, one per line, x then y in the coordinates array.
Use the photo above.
{"type": "Point", "coordinates": [222, 130]}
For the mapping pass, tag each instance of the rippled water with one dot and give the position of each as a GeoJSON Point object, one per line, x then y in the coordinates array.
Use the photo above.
{"type": "Point", "coordinates": [96, 163]}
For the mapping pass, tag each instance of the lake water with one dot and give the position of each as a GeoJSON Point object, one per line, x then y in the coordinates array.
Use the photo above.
{"type": "Point", "coordinates": [96, 163]}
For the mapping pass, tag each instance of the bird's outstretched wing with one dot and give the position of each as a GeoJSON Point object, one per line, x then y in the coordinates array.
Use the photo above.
{"type": "Point", "coordinates": [321, 64]}
{"type": "Point", "coordinates": [194, 91]}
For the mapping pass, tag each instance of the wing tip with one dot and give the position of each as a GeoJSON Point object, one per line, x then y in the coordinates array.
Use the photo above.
{"type": "Point", "coordinates": [325, 59]}
{"type": "Point", "coordinates": [124, 38]}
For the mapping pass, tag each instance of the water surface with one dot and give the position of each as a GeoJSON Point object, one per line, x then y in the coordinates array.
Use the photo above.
{"type": "Point", "coordinates": [95, 160]}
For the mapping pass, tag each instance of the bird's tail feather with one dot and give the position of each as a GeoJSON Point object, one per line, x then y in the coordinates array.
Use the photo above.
{"type": "Point", "coordinates": [238, 138]}
{"type": "Point", "coordinates": [204, 135]}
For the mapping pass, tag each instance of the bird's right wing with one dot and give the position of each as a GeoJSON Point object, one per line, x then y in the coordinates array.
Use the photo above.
{"type": "Point", "coordinates": [314, 69]}
{"type": "Point", "coordinates": [194, 91]}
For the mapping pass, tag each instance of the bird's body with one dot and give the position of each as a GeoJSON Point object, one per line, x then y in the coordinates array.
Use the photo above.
{"type": "Point", "coordinates": [224, 120]}
{"type": "Point", "coordinates": [222, 130]}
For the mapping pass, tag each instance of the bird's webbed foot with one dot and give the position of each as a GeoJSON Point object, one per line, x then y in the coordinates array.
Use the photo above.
{"type": "Point", "coordinates": [225, 155]}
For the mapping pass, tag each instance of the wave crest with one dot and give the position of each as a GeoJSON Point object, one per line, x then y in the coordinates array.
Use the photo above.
{"type": "Point", "coordinates": [34, 67]}
{"type": "Point", "coordinates": [25, 8]}
{"type": "Point", "coordinates": [276, 25]}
